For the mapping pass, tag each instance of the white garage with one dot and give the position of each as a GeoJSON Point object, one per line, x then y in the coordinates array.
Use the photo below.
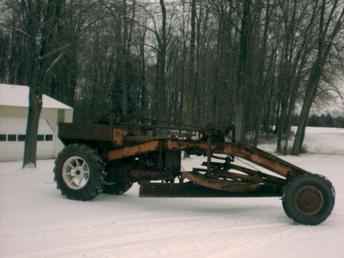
{"type": "Point", "coordinates": [13, 115]}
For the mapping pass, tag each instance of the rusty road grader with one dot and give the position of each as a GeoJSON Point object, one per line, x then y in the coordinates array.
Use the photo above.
{"type": "Point", "coordinates": [109, 159]}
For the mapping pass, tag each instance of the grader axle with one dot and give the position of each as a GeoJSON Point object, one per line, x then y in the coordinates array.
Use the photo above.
{"type": "Point", "coordinates": [110, 159]}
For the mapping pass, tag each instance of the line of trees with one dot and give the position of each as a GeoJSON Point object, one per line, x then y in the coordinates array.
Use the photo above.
{"type": "Point", "coordinates": [253, 63]}
{"type": "Point", "coordinates": [326, 121]}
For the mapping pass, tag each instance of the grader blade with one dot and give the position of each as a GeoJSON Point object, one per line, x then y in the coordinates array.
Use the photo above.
{"type": "Point", "coordinates": [221, 185]}
{"type": "Point", "coordinates": [190, 190]}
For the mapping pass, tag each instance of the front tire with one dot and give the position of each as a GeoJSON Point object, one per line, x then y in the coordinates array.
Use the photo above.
{"type": "Point", "coordinates": [308, 199]}
{"type": "Point", "coordinates": [78, 172]}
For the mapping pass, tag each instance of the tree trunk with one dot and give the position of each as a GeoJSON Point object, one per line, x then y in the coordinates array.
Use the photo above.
{"type": "Point", "coordinates": [192, 79]}
{"type": "Point", "coordinates": [243, 73]}
{"type": "Point", "coordinates": [124, 63]}
{"type": "Point", "coordinates": [161, 105]}
{"type": "Point", "coordinates": [30, 150]}
{"type": "Point", "coordinates": [311, 91]}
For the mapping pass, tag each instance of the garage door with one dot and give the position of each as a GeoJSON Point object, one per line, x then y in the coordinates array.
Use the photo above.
{"type": "Point", "coordinates": [12, 137]}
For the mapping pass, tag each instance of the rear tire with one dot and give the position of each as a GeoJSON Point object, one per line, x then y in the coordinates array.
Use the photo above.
{"type": "Point", "coordinates": [78, 172]}
{"type": "Point", "coordinates": [308, 199]}
{"type": "Point", "coordinates": [117, 181]}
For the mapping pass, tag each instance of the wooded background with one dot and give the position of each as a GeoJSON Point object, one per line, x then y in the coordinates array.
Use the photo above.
{"type": "Point", "coordinates": [260, 64]}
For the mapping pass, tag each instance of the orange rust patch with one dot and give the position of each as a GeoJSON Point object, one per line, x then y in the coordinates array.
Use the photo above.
{"type": "Point", "coordinates": [175, 145]}
{"type": "Point", "coordinates": [134, 150]}
{"type": "Point", "coordinates": [118, 136]}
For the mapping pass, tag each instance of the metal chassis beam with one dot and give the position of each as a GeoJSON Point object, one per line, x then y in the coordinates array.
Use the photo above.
{"type": "Point", "coordinates": [252, 154]}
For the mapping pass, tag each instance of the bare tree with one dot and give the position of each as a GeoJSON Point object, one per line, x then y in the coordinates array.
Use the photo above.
{"type": "Point", "coordinates": [331, 22]}
{"type": "Point", "coordinates": [252, 63]}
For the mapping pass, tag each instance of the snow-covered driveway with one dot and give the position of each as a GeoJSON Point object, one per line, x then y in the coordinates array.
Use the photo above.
{"type": "Point", "coordinates": [36, 221]}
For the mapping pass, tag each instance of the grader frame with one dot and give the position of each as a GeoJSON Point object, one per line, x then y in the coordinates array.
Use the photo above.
{"type": "Point", "coordinates": [147, 154]}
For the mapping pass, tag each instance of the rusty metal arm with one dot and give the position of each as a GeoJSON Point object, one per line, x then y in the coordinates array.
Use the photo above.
{"type": "Point", "coordinates": [255, 155]}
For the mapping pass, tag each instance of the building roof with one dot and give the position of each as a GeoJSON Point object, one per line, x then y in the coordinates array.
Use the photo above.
{"type": "Point", "coordinates": [18, 96]}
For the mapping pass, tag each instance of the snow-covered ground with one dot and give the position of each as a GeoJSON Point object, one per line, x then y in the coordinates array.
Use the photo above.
{"type": "Point", "coordinates": [36, 221]}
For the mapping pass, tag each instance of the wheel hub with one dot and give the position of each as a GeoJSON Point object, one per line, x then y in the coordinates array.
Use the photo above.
{"type": "Point", "coordinates": [76, 172]}
{"type": "Point", "coordinates": [309, 200]}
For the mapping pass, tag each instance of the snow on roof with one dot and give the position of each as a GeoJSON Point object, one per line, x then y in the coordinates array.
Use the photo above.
{"type": "Point", "coordinates": [18, 96]}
